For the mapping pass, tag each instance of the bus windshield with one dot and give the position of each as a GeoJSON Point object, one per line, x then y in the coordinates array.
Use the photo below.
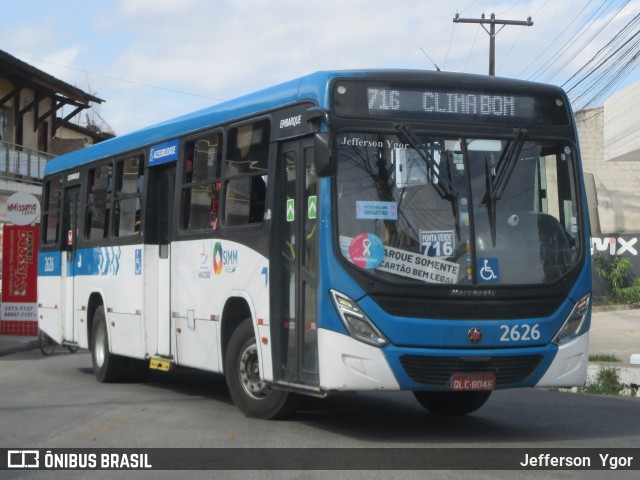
{"type": "Point", "coordinates": [458, 210]}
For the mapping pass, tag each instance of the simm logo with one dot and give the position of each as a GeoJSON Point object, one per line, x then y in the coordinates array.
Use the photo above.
{"type": "Point", "coordinates": [224, 259]}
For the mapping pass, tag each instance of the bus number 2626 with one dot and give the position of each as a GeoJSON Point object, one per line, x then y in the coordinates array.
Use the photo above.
{"type": "Point", "coordinates": [515, 333]}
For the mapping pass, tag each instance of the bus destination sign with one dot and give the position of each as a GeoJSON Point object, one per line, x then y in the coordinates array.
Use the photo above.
{"type": "Point", "coordinates": [384, 101]}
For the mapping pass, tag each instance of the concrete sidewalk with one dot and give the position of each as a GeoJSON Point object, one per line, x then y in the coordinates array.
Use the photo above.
{"type": "Point", "coordinates": [616, 331]}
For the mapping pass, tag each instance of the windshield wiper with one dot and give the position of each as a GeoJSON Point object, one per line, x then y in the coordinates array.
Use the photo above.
{"type": "Point", "coordinates": [444, 186]}
{"type": "Point", "coordinates": [498, 175]}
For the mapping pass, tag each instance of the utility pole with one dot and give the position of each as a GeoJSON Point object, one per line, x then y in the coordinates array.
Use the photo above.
{"type": "Point", "coordinates": [492, 32]}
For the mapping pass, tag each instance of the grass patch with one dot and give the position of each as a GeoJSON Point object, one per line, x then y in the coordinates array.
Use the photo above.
{"type": "Point", "coordinates": [603, 357]}
{"type": "Point", "coordinates": [607, 383]}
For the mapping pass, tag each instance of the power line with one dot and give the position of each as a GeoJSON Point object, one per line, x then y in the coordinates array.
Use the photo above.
{"type": "Point", "coordinates": [573, 39]}
{"type": "Point", "coordinates": [511, 48]}
{"type": "Point", "coordinates": [571, 55]}
{"type": "Point", "coordinates": [449, 47]}
{"type": "Point", "coordinates": [510, 8]}
{"type": "Point", "coordinates": [471, 50]}
{"type": "Point", "coordinates": [607, 68]}
{"type": "Point", "coordinates": [593, 59]}
{"type": "Point", "coordinates": [555, 39]}
{"type": "Point", "coordinates": [468, 7]}
{"type": "Point", "coordinates": [506, 57]}
{"type": "Point", "coordinates": [133, 82]}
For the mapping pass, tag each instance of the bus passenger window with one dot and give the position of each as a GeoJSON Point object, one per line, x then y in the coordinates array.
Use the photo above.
{"type": "Point", "coordinates": [258, 198]}
{"type": "Point", "coordinates": [246, 168]}
{"type": "Point", "coordinates": [215, 206]}
{"type": "Point", "coordinates": [202, 161]}
{"type": "Point", "coordinates": [99, 202]}
{"type": "Point", "coordinates": [237, 204]}
{"type": "Point", "coordinates": [51, 214]}
{"type": "Point", "coordinates": [248, 149]}
{"type": "Point", "coordinates": [128, 205]}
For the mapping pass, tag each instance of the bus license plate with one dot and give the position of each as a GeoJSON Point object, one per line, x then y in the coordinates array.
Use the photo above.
{"type": "Point", "coordinates": [472, 381]}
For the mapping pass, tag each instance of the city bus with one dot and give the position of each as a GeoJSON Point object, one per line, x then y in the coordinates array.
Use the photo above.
{"type": "Point", "coordinates": [345, 231]}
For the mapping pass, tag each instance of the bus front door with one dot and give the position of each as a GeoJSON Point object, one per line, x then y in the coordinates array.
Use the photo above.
{"type": "Point", "coordinates": [71, 261]}
{"type": "Point", "coordinates": [293, 266]}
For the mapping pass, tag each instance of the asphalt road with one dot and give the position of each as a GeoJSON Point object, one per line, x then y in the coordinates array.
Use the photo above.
{"type": "Point", "coordinates": [55, 402]}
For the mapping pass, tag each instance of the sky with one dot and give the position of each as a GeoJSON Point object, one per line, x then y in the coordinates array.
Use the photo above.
{"type": "Point", "coordinates": [151, 60]}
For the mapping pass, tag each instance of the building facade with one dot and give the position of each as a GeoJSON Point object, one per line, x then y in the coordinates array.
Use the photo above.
{"type": "Point", "coordinates": [610, 147]}
{"type": "Point", "coordinates": [36, 114]}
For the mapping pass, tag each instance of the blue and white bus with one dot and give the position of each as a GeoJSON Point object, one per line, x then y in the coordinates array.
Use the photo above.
{"type": "Point", "coordinates": [344, 231]}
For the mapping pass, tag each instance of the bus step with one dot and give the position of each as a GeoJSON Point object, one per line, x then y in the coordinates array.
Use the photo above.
{"type": "Point", "coordinates": [160, 364]}
{"type": "Point", "coordinates": [297, 388]}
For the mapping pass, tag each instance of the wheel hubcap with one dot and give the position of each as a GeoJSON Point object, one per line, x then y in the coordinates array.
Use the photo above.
{"type": "Point", "coordinates": [250, 372]}
{"type": "Point", "coordinates": [99, 347]}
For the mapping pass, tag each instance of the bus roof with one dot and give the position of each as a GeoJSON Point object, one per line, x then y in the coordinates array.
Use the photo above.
{"type": "Point", "coordinates": [312, 87]}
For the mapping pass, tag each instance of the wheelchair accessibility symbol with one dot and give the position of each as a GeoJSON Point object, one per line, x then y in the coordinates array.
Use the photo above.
{"type": "Point", "coordinates": [488, 270]}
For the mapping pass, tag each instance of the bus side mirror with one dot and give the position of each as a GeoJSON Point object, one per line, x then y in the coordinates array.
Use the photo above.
{"type": "Point", "coordinates": [325, 167]}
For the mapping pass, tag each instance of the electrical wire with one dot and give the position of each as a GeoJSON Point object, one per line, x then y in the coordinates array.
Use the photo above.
{"type": "Point", "coordinates": [449, 47]}
{"type": "Point", "coordinates": [555, 39]}
{"type": "Point", "coordinates": [471, 51]}
{"type": "Point", "coordinates": [128, 81]}
{"type": "Point", "coordinates": [630, 25]}
{"type": "Point", "coordinates": [522, 30]}
{"type": "Point", "coordinates": [509, 9]}
{"type": "Point", "coordinates": [573, 39]}
{"type": "Point", "coordinates": [467, 8]}
{"type": "Point", "coordinates": [571, 55]}
{"type": "Point", "coordinates": [611, 64]}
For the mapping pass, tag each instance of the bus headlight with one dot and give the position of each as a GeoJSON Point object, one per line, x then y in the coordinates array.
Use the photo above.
{"type": "Point", "coordinates": [573, 326]}
{"type": "Point", "coordinates": [356, 322]}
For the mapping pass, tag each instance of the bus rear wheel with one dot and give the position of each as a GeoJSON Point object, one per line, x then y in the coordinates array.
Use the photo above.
{"type": "Point", "coordinates": [253, 396]}
{"type": "Point", "coordinates": [107, 367]}
{"type": "Point", "coordinates": [452, 403]}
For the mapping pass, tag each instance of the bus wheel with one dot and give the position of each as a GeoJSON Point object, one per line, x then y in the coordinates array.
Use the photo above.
{"type": "Point", "coordinates": [137, 370]}
{"type": "Point", "coordinates": [452, 403]}
{"type": "Point", "coordinates": [253, 396]}
{"type": "Point", "coordinates": [107, 367]}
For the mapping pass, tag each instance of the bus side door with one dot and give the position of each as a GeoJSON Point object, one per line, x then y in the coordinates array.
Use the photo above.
{"type": "Point", "coordinates": [293, 266]}
{"type": "Point", "coordinates": [157, 258]}
{"type": "Point", "coordinates": [70, 261]}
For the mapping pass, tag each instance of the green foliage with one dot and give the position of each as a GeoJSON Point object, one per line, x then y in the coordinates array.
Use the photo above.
{"type": "Point", "coordinates": [624, 288]}
{"type": "Point", "coordinates": [607, 383]}
{"type": "Point", "coordinates": [603, 357]}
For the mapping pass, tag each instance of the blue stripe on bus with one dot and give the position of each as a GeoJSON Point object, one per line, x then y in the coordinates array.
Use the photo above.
{"type": "Point", "coordinates": [49, 264]}
{"type": "Point", "coordinates": [87, 261]}
{"type": "Point", "coordinates": [311, 87]}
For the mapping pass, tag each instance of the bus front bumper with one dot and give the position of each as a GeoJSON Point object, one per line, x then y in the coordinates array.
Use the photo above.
{"type": "Point", "coordinates": [349, 365]}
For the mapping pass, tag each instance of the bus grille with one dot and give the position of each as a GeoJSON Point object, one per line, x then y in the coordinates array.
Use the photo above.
{"type": "Point", "coordinates": [438, 370]}
{"type": "Point", "coordinates": [469, 310]}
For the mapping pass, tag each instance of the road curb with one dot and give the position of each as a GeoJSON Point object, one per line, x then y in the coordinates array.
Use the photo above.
{"type": "Point", "coordinates": [19, 347]}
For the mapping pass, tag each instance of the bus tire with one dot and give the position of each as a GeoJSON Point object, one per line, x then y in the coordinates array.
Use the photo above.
{"type": "Point", "coordinates": [253, 396]}
{"type": "Point", "coordinates": [137, 370]}
{"type": "Point", "coordinates": [452, 403]}
{"type": "Point", "coordinates": [107, 367]}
